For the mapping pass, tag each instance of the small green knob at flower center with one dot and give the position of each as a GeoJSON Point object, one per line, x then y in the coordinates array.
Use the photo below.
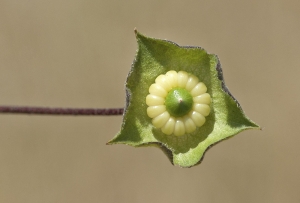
{"type": "Point", "coordinates": [178, 102]}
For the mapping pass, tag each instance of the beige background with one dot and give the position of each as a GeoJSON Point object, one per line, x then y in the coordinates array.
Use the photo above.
{"type": "Point", "coordinates": [77, 53]}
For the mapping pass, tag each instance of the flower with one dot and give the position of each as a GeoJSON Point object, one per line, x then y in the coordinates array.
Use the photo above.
{"type": "Point", "coordinates": [157, 61]}
{"type": "Point", "coordinates": [178, 103]}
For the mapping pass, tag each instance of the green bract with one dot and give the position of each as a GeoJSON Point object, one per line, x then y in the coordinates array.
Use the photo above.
{"type": "Point", "coordinates": [155, 57]}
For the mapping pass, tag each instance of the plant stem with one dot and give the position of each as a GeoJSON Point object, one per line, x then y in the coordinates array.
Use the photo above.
{"type": "Point", "coordinates": [61, 111]}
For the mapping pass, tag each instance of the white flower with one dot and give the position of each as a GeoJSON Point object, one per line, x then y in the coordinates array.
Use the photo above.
{"type": "Point", "coordinates": [178, 103]}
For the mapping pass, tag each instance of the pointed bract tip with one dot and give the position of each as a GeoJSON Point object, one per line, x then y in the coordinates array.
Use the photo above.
{"type": "Point", "coordinates": [135, 31]}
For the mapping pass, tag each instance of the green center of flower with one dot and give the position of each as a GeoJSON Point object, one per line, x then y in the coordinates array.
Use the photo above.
{"type": "Point", "coordinates": [178, 102]}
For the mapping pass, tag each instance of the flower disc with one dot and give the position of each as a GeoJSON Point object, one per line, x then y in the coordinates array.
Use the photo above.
{"type": "Point", "coordinates": [178, 103]}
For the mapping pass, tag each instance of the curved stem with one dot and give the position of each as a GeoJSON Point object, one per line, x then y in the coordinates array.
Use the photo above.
{"type": "Point", "coordinates": [61, 111]}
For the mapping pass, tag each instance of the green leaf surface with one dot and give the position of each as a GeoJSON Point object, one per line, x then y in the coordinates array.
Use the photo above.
{"type": "Point", "coordinates": [155, 57]}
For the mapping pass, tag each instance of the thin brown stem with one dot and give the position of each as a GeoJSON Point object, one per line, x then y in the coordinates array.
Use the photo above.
{"type": "Point", "coordinates": [61, 111]}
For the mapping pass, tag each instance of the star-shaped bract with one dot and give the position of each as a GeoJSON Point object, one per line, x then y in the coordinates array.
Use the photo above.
{"type": "Point", "coordinates": [155, 57]}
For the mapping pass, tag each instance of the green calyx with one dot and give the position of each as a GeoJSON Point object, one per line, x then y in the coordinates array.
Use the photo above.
{"type": "Point", "coordinates": [156, 57]}
{"type": "Point", "coordinates": [179, 102]}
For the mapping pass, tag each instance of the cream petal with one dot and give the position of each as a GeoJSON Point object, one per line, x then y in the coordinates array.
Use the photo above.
{"type": "Point", "coordinates": [182, 78]}
{"type": "Point", "coordinates": [189, 124]}
{"type": "Point", "coordinates": [191, 83]}
{"type": "Point", "coordinates": [152, 100]}
{"type": "Point", "coordinates": [163, 81]}
{"type": "Point", "coordinates": [198, 119]}
{"type": "Point", "coordinates": [203, 109]}
{"type": "Point", "coordinates": [179, 127]}
{"type": "Point", "coordinates": [202, 99]}
{"type": "Point", "coordinates": [199, 89]}
{"type": "Point", "coordinates": [157, 90]}
{"type": "Point", "coordinates": [154, 111]}
{"type": "Point", "coordinates": [173, 78]}
{"type": "Point", "coordinates": [168, 128]}
{"type": "Point", "coordinates": [161, 120]}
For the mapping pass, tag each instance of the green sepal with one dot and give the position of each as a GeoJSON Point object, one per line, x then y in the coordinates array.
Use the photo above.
{"type": "Point", "coordinates": [155, 57]}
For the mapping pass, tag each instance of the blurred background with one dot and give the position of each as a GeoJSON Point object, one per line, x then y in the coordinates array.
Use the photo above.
{"type": "Point", "coordinates": [76, 53]}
